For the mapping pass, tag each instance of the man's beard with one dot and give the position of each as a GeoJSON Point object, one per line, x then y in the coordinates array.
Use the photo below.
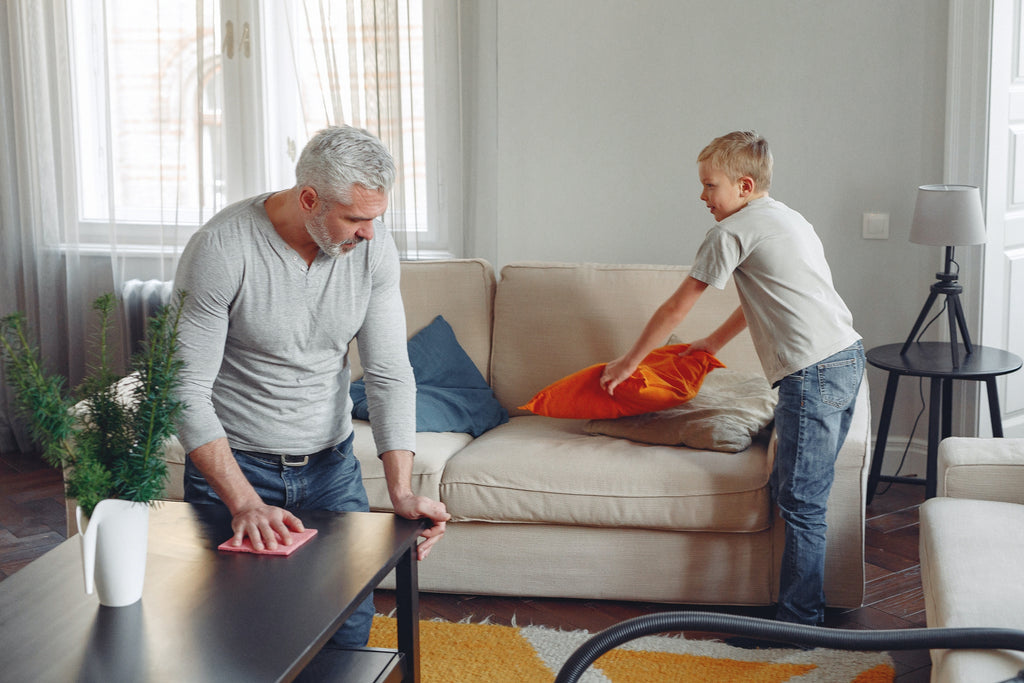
{"type": "Point", "coordinates": [317, 229]}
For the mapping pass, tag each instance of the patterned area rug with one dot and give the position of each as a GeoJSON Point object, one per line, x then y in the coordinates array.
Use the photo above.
{"type": "Point", "coordinates": [464, 652]}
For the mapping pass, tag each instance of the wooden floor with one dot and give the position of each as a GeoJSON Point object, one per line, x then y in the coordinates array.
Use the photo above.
{"type": "Point", "coordinates": [32, 521]}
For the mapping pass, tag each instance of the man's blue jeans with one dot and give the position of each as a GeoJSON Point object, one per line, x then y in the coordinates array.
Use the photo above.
{"type": "Point", "coordinates": [812, 419]}
{"type": "Point", "coordinates": [332, 480]}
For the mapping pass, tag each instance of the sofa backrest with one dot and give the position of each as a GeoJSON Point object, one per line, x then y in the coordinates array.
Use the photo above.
{"type": "Point", "coordinates": [552, 319]}
{"type": "Point", "coordinates": [461, 290]}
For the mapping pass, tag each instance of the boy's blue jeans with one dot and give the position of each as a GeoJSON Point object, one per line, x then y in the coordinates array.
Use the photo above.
{"type": "Point", "coordinates": [332, 480]}
{"type": "Point", "coordinates": [812, 418]}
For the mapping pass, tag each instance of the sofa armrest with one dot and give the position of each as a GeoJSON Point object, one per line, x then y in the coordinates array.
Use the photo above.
{"type": "Point", "coordinates": [844, 560]}
{"type": "Point", "coordinates": [983, 469]}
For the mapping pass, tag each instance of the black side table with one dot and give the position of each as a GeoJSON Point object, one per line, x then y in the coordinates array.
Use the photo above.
{"type": "Point", "coordinates": [932, 359]}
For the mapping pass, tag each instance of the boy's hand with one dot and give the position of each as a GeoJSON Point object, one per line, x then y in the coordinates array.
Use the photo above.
{"type": "Point", "coordinates": [706, 345]}
{"type": "Point", "coordinates": [615, 373]}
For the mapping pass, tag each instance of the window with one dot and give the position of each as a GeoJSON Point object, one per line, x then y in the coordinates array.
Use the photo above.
{"type": "Point", "coordinates": [185, 107]}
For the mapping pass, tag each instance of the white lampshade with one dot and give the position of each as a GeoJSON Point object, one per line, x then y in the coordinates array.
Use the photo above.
{"type": "Point", "coordinates": [948, 215]}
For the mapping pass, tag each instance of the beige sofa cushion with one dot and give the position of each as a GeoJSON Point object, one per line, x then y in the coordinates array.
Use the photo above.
{"type": "Point", "coordinates": [971, 555]}
{"type": "Point", "coordinates": [433, 451]}
{"type": "Point", "coordinates": [461, 290]}
{"type": "Point", "coordinates": [728, 413]}
{"type": "Point", "coordinates": [547, 471]}
{"type": "Point", "coordinates": [553, 319]}
{"type": "Point", "coordinates": [984, 469]}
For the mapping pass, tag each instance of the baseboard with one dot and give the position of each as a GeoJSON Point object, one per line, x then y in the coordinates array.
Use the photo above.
{"type": "Point", "coordinates": [915, 464]}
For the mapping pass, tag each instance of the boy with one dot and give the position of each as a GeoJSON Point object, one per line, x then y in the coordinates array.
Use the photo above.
{"type": "Point", "coordinates": [804, 337]}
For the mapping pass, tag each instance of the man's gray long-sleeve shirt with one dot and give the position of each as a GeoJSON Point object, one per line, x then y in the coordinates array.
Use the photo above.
{"type": "Point", "coordinates": [264, 339]}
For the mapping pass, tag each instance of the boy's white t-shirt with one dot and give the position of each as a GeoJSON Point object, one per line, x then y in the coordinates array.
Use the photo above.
{"type": "Point", "coordinates": [795, 315]}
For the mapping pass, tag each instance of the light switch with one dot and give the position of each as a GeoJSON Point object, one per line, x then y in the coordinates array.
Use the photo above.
{"type": "Point", "coordinates": [876, 226]}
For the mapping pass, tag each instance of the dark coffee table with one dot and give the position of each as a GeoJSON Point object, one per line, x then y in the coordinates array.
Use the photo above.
{"type": "Point", "coordinates": [208, 615]}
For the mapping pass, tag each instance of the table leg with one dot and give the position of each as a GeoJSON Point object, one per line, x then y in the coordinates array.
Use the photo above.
{"type": "Point", "coordinates": [947, 407]}
{"type": "Point", "coordinates": [934, 436]}
{"type": "Point", "coordinates": [883, 433]}
{"type": "Point", "coordinates": [993, 408]}
{"type": "Point", "coordinates": [407, 603]}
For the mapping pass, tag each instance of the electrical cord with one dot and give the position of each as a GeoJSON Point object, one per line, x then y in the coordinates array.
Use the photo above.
{"type": "Point", "coordinates": [910, 439]}
{"type": "Point", "coordinates": [920, 392]}
{"type": "Point", "coordinates": [837, 639]}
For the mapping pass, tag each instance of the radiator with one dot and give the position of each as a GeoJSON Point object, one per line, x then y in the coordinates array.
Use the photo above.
{"type": "Point", "coordinates": [141, 299]}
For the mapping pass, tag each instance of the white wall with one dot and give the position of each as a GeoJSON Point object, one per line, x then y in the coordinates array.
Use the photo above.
{"type": "Point", "coordinates": [583, 120]}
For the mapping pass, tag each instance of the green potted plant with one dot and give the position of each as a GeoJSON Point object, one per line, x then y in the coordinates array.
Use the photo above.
{"type": "Point", "coordinates": [107, 436]}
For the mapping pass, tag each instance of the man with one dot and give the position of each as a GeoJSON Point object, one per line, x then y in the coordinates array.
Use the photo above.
{"type": "Point", "coordinates": [278, 285]}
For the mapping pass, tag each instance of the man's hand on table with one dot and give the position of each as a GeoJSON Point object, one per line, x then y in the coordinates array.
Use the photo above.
{"type": "Point", "coordinates": [265, 525]}
{"type": "Point", "coordinates": [420, 507]}
{"type": "Point", "coordinates": [398, 472]}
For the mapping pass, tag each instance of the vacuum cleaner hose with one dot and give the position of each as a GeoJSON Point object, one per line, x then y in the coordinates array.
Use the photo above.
{"type": "Point", "coordinates": [809, 636]}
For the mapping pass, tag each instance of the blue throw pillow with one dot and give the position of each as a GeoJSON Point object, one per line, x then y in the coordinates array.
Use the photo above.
{"type": "Point", "coordinates": [451, 394]}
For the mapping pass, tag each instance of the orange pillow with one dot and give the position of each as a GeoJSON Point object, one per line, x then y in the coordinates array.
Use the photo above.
{"type": "Point", "coordinates": [662, 380]}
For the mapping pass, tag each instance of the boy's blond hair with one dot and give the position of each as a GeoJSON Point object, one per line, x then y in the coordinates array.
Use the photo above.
{"type": "Point", "coordinates": [738, 154]}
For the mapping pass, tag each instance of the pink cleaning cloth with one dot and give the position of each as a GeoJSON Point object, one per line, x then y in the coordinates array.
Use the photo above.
{"type": "Point", "coordinates": [298, 538]}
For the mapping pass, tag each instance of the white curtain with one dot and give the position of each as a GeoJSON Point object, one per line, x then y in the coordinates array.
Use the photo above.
{"type": "Point", "coordinates": [42, 271]}
{"type": "Point", "coordinates": [126, 124]}
{"type": "Point", "coordinates": [355, 63]}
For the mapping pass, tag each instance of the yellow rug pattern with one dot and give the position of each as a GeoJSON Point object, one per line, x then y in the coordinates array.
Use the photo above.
{"type": "Point", "coordinates": [463, 652]}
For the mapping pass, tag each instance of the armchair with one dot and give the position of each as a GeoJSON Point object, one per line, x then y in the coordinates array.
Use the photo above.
{"type": "Point", "coordinates": [972, 551]}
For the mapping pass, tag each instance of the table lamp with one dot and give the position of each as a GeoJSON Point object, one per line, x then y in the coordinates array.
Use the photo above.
{"type": "Point", "coordinates": [947, 216]}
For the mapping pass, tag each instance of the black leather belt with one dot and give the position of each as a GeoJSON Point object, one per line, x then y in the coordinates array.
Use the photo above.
{"type": "Point", "coordinates": [284, 460]}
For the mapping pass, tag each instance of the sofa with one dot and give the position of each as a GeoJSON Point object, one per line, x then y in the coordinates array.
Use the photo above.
{"type": "Point", "coordinates": [972, 550]}
{"type": "Point", "coordinates": [540, 507]}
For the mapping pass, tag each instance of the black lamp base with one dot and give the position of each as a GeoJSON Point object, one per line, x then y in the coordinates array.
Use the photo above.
{"type": "Point", "coordinates": [946, 283]}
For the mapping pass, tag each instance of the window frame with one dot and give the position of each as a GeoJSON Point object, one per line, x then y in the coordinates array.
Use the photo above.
{"type": "Point", "coordinates": [250, 169]}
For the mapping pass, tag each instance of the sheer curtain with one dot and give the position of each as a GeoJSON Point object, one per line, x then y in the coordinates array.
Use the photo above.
{"type": "Point", "coordinates": [127, 123]}
{"type": "Point", "coordinates": [42, 272]}
{"type": "Point", "coordinates": [360, 62]}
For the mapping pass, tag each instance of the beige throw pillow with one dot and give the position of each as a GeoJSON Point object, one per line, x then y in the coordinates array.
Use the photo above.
{"type": "Point", "coordinates": [727, 413]}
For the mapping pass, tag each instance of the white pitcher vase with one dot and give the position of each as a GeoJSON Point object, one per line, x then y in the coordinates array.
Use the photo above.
{"type": "Point", "coordinates": [114, 540]}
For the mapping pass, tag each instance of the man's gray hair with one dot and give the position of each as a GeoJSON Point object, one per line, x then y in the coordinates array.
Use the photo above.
{"type": "Point", "coordinates": [340, 156]}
